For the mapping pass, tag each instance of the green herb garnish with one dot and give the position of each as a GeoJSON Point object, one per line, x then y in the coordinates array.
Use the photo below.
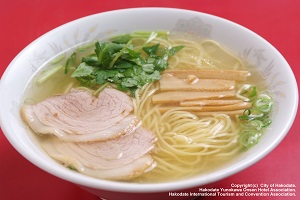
{"type": "Point", "coordinates": [254, 121]}
{"type": "Point", "coordinates": [119, 62]}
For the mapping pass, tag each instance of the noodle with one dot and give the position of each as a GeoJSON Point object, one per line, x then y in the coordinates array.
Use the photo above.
{"type": "Point", "coordinates": [186, 144]}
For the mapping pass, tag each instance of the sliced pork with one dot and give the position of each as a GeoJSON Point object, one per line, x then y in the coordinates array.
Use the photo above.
{"type": "Point", "coordinates": [80, 116]}
{"type": "Point", "coordinates": [119, 159]}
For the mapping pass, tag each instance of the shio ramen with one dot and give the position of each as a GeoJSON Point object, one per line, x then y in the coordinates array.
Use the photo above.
{"type": "Point", "coordinates": [147, 107]}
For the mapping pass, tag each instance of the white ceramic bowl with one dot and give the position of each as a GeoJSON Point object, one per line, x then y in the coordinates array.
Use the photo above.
{"type": "Point", "coordinates": [240, 40]}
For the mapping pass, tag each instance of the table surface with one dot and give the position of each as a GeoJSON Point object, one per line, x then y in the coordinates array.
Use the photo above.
{"type": "Point", "coordinates": [23, 21]}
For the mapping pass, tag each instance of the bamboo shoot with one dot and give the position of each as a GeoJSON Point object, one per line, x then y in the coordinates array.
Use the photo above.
{"type": "Point", "coordinates": [237, 75]}
{"type": "Point", "coordinates": [169, 82]}
{"type": "Point", "coordinates": [179, 96]}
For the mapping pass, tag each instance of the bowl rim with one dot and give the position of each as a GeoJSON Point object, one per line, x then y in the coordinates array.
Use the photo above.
{"type": "Point", "coordinates": [148, 187]}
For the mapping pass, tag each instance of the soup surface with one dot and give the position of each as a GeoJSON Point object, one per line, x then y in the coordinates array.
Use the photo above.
{"type": "Point", "coordinates": [204, 105]}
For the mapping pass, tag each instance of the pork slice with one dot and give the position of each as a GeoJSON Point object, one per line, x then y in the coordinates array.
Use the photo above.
{"type": "Point", "coordinates": [122, 158]}
{"type": "Point", "coordinates": [79, 116]}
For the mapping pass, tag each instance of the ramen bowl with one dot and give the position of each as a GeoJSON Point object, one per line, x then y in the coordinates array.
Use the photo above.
{"type": "Point", "coordinates": [238, 39]}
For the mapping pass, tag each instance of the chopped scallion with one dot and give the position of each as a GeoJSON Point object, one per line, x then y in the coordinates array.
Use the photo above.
{"type": "Point", "coordinates": [48, 73]}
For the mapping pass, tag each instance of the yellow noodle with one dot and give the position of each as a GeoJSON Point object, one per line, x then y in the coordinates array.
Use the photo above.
{"type": "Point", "coordinates": [186, 144]}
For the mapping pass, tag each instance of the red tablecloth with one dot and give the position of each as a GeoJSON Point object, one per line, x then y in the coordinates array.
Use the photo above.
{"type": "Point", "coordinates": [23, 21]}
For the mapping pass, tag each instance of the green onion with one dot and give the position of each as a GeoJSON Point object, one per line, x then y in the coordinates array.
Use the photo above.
{"type": "Point", "coordinates": [58, 58]}
{"type": "Point", "coordinates": [251, 114]}
{"type": "Point", "coordinates": [247, 92]}
{"type": "Point", "coordinates": [152, 36]}
{"type": "Point", "coordinates": [86, 46]}
{"type": "Point", "coordinates": [249, 138]}
{"type": "Point", "coordinates": [149, 34]}
{"type": "Point", "coordinates": [257, 124]}
{"type": "Point", "coordinates": [70, 61]}
{"type": "Point", "coordinates": [48, 73]}
{"type": "Point", "coordinates": [263, 103]}
{"type": "Point", "coordinates": [254, 121]}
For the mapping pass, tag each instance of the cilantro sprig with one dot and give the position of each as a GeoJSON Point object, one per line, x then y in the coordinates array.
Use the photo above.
{"type": "Point", "coordinates": [118, 62]}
